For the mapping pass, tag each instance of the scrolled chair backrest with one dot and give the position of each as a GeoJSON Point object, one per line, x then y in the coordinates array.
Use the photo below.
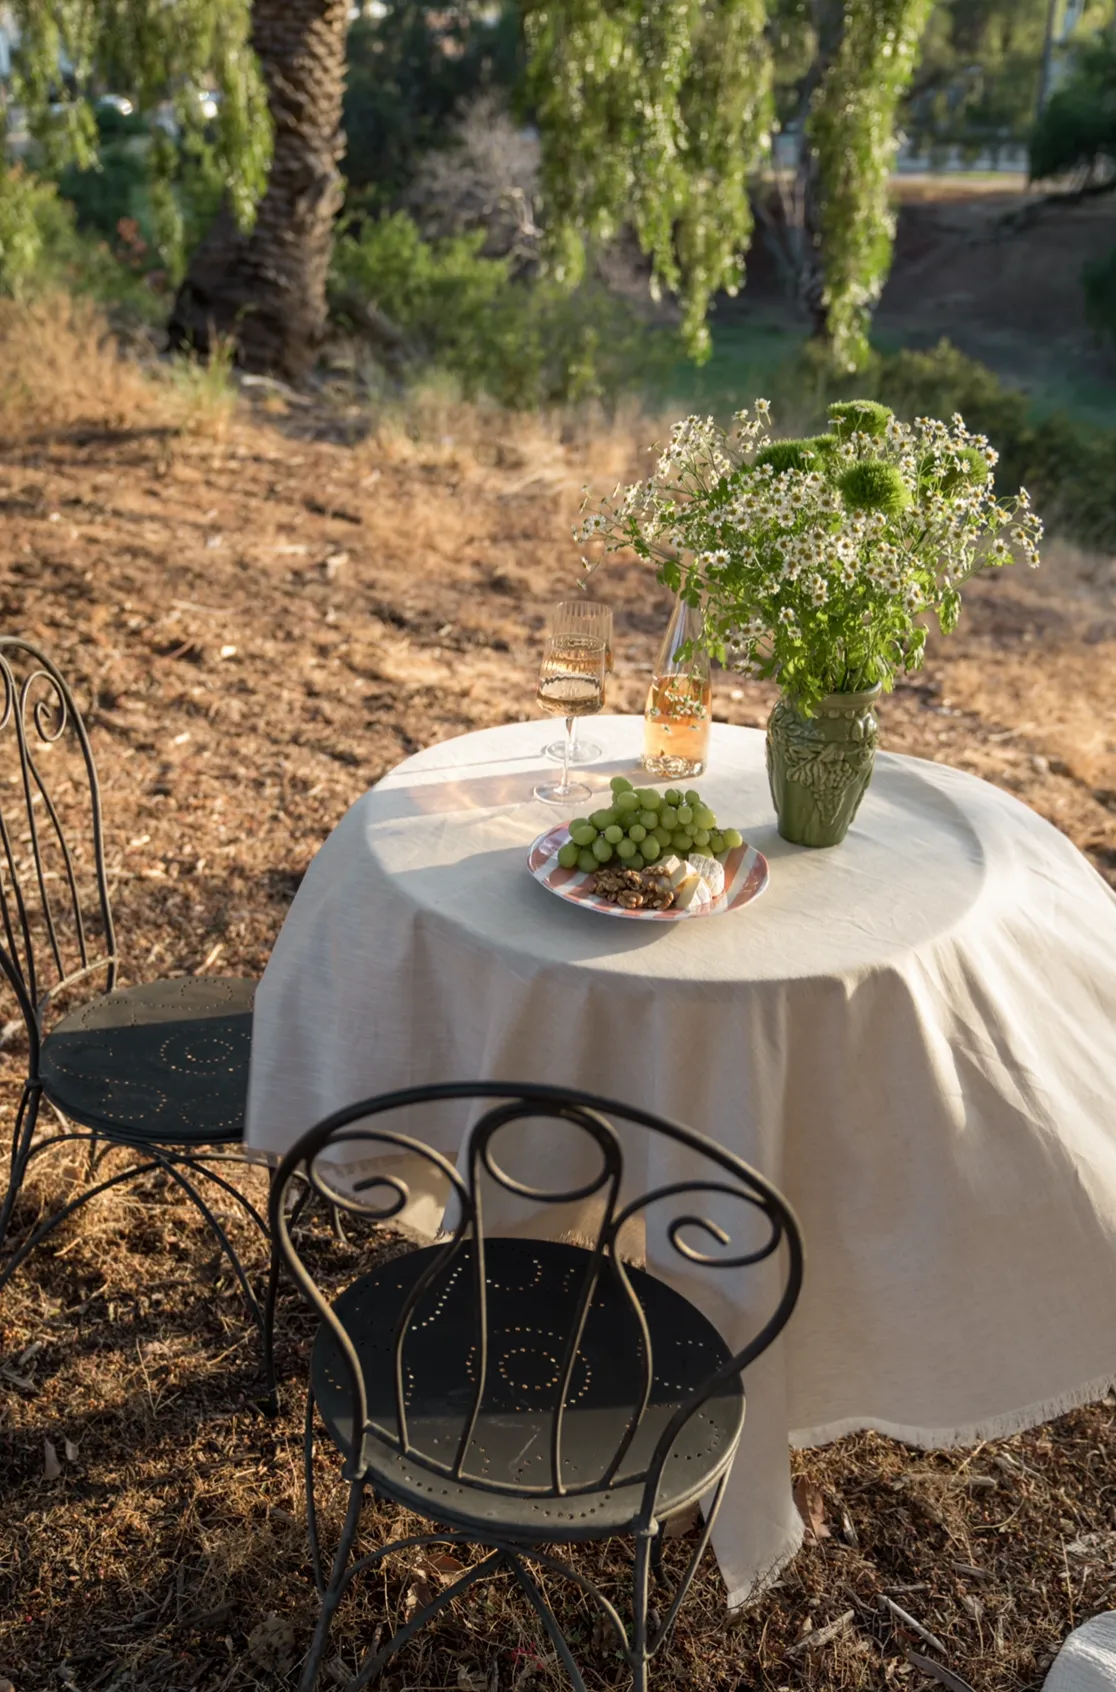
{"type": "Point", "coordinates": [55, 917]}
{"type": "Point", "coordinates": [699, 1239]}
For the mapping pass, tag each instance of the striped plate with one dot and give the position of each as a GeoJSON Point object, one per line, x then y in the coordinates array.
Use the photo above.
{"type": "Point", "coordinates": [745, 879]}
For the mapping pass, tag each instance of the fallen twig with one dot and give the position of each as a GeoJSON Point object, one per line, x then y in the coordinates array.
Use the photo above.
{"type": "Point", "coordinates": [904, 1616]}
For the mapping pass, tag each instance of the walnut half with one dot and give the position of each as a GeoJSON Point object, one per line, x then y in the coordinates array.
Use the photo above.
{"type": "Point", "coordinates": [634, 890]}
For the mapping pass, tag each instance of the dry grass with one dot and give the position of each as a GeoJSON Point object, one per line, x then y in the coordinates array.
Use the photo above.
{"type": "Point", "coordinates": [259, 633]}
{"type": "Point", "coordinates": [63, 371]}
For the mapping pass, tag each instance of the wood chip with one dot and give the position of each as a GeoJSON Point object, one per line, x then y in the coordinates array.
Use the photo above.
{"type": "Point", "coordinates": [821, 1635]}
{"type": "Point", "coordinates": [24, 1382]}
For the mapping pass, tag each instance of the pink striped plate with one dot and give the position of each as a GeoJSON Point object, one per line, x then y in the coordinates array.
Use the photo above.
{"type": "Point", "coordinates": [745, 879]}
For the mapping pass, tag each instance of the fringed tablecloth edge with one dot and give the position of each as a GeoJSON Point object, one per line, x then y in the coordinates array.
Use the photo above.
{"type": "Point", "coordinates": [972, 1433]}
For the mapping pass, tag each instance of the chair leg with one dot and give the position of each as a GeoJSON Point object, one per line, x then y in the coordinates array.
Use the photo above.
{"type": "Point", "coordinates": [639, 1655]}
{"type": "Point", "coordinates": [691, 1567]}
{"type": "Point", "coordinates": [331, 1597]}
{"type": "Point", "coordinates": [374, 1666]}
{"type": "Point", "coordinates": [250, 1299]}
{"type": "Point", "coordinates": [308, 1483]}
{"type": "Point", "coordinates": [200, 1166]}
{"type": "Point", "coordinates": [46, 1228]}
{"type": "Point", "coordinates": [27, 1115]}
{"type": "Point", "coordinates": [271, 1407]}
{"type": "Point", "coordinates": [550, 1622]}
{"type": "Point", "coordinates": [265, 1319]}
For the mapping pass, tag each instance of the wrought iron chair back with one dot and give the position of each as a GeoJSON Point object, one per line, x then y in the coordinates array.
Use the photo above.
{"type": "Point", "coordinates": [382, 1195]}
{"type": "Point", "coordinates": [56, 926]}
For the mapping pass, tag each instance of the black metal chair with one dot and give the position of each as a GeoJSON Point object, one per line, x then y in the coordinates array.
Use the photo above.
{"type": "Point", "coordinates": [518, 1392]}
{"type": "Point", "coordinates": [160, 1070]}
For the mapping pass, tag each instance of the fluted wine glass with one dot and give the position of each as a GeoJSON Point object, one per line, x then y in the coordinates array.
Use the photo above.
{"type": "Point", "coordinates": [571, 685]}
{"type": "Point", "coordinates": [581, 617]}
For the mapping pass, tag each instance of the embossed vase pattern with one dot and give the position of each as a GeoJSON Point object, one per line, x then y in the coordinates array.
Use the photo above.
{"type": "Point", "coordinates": [819, 767]}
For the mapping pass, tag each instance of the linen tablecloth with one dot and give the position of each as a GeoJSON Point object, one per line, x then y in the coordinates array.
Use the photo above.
{"type": "Point", "coordinates": [912, 1034]}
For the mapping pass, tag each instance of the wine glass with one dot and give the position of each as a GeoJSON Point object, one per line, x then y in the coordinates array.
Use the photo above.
{"type": "Point", "coordinates": [581, 617]}
{"type": "Point", "coordinates": [571, 685]}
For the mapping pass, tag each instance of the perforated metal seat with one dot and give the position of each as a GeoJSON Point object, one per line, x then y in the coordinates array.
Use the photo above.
{"type": "Point", "coordinates": [518, 1393]}
{"type": "Point", "coordinates": [167, 1061]}
{"type": "Point", "coordinates": [159, 1070]}
{"type": "Point", "coordinates": [529, 1281]}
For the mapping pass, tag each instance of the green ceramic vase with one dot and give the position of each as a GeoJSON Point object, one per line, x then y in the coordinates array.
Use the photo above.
{"type": "Point", "coordinates": [819, 767]}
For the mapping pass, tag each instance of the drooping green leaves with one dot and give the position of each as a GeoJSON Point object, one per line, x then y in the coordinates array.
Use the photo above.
{"type": "Point", "coordinates": [158, 55]}
{"type": "Point", "coordinates": [652, 112]}
{"type": "Point", "coordinates": [851, 129]}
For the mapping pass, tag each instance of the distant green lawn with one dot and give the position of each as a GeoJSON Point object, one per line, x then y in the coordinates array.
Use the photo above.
{"type": "Point", "coordinates": [756, 358]}
{"type": "Point", "coordinates": [749, 361]}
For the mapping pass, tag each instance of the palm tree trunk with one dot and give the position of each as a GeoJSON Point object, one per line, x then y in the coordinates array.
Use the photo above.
{"type": "Point", "coordinates": [267, 289]}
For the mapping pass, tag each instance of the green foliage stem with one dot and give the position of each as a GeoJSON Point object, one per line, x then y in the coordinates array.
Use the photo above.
{"type": "Point", "coordinates": [851, 130]}
{"type": "Point", "coordinates": [653, 112]}
{"type": "Point", "coordinates": [156, 54]}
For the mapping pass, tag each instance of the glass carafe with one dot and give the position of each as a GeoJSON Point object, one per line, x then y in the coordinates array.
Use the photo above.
{"type": "Point", "coordinates": [679, 701]}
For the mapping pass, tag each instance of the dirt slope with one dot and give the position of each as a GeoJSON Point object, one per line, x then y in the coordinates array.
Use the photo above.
{"type": "Point", "coordinates": [261, 624]}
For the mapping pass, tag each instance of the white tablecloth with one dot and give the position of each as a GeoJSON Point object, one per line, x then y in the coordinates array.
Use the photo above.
{"type": "Point", "coordinates": [913, 1035]}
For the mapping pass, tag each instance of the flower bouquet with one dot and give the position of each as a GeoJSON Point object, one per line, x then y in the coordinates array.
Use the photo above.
{"type": "Point", "coordinates": [818, 562]}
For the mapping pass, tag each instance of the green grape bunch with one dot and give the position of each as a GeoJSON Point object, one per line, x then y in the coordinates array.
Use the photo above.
{"type": "Point", "coordinates": [642, 825]}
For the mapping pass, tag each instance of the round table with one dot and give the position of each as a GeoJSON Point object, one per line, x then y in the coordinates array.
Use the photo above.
{"type": "Point", "coordinates": [913, 1035]}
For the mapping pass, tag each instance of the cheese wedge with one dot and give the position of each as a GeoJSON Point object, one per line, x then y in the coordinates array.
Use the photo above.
{"type": "Point", "coordinates": [691, 891]}
{"type": "Point", "coordinates": [674, 868]}
{"type": "Point", "coordinates": [711, 872]}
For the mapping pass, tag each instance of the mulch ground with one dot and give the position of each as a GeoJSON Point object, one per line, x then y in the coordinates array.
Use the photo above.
{"type": "Point", "coordinates": [261, 614]}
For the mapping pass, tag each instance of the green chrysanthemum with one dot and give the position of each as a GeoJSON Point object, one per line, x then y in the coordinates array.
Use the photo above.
{"type": "Point", "coordinates": [873, 485]}
{"type": "Point", "coordinates": [859, 417]}
{"type": "Point", "coordinates": [949, 477]}
{"type": "Point", "coordinates": [824, 445]}
{"type": "Point", "coordinates": [791, 455]}
{"type": "Point", "coordinates": [972, 470]}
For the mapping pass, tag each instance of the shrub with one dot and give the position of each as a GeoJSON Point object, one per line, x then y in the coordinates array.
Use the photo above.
{"type": "Point", "coordinates": [409, 72]}
{"type": "Point", "coordinates": [115, 188]}
{"type": "Point", "coordinates": [36, 229]}
{"type": "Point", "coordinates": [1076, 131]}
{"type": "Point", "coordinates": [523, 343]}
{"type": "Point", "coordinates": [149, 197]}
{"type": "Point", "coordinates": [1099, 282]}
